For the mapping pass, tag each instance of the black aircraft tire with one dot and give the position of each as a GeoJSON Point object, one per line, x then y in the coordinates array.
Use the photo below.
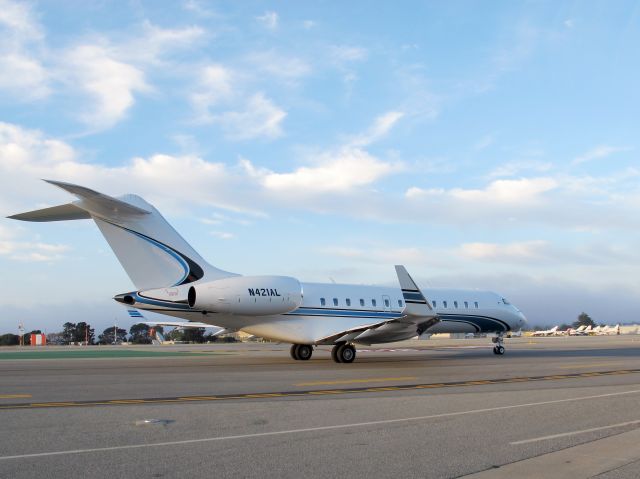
{"type": "Point", "coordinates": [294, 351]}
{"type": "Point", "coordinates": [304, 352]}
{"type": "Point", "coordinates": [347, 353]}
{"type": "Point", "coordinates": [334, 353]}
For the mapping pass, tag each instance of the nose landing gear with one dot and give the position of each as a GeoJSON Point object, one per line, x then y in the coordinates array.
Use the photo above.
{"type": "Point", "coordinates": [499, 344]}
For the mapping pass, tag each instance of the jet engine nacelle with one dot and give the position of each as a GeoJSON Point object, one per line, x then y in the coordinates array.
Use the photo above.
{"type": "Point", "coordinates": [247, 295]}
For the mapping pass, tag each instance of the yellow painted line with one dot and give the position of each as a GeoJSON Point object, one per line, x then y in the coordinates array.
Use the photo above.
{"type": "Point", "coordinates": [198, 398]}
{"type": "Point", "coordinates": [317, 392]}
{"type": "Point", "coordinates": [355, 381]}
{"type": "Point", "coordinates": [262, 395]}
{"type": "Point", "coordinates": [589, 365]}
{"type": "Point", "coordinates": [382, 389]}
{"type": "Point", "coordinates": [14, 396]}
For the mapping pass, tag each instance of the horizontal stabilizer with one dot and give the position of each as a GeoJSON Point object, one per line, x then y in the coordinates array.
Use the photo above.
{"type": "Point", "coordinates": [55, 213]}
{"type": "Point", "coordinates": [99, 203]}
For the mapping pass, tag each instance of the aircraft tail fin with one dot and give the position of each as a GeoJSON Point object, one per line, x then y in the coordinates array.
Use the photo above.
{"type": "Point", "coordinates": [152, 253]}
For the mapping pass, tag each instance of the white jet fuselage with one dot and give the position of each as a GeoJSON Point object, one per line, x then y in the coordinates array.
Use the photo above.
{"type": "Point", "coordinates": [327, 309]}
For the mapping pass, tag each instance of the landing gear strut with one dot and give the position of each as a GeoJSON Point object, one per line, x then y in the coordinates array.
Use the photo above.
{"type": "Point", "coordinates": [343, 353]}
{"type": "Point", "coordinates": [301, 352]}
{"type": "Point", "coordinates": [499, 344]}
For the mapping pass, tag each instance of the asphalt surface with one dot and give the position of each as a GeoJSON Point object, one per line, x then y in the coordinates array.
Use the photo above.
{"type": "Point", "coordinates": [550, 407]}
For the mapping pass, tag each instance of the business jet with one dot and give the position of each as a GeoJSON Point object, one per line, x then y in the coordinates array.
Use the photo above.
{"type": "Point", "coordinates": [547, 332]}
{"type": "Point", "coordinates": [171, 278]}
{"type": "Point", "coordinates": [586, 331]}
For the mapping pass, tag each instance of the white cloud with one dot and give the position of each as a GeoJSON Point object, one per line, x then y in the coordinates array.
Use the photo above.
{"type": "Point", "coordinates": [279, 66]}
{"type": "Point", "coordinates": [378, 255]}
{"type": "Point", "coordinates": [268, 20]}
{"type": "Point", "coordinates": [514, 168]}
{"type": "Point", "coordinates": [198, 8]}
{"type": "Point", "coordinates": [345, 53]}
{"type": "Point", "coordinates": [601, 151]}
{"type": "Point", "coordinates": [153, 44]}
{"type": "Point", "coordinates": [259, 118]}
{"type": "Point", "coordinates": [380, 128]}
{"type": "Point", "coordinates": [22, 74]}
{"type": "Point", "coordinates": [506, 192]}
{"type": "Point", "coordinates": [13, 246]}
{"type": "Point", "coordinates": [109, 70]}
{"type": "Point", "coordinates": [224, 235]}
{"type": "Point", "coordinates": [109, 82]}
{"type": "Point", "coordinates": [340, 171]}
{"type": "Point", "coordinates": [517, 251]}
{"type": "Point", "coordinates": [215, 86]}
{"type": "Point", "coordinates": [520, 191]}
{"type": "Point", "coordinates": [18, 19]}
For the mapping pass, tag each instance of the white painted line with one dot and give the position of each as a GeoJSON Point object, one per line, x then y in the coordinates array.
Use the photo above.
{"type": "Point", "coordinates": [573, 433]}
{"type": "Point", "coordinates": [312, 429]}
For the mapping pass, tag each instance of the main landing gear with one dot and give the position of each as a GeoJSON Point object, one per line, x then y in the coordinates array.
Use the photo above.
{"type": "Point", "coordinates": [499, 345]}
{"type": "Point", "coordinates": [343, 353]}
{"type": "Point", "coordinates": [301, 352]}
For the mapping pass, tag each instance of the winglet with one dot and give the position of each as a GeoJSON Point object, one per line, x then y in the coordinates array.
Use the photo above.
{"type": "Point", "coordinates": [416, 303]}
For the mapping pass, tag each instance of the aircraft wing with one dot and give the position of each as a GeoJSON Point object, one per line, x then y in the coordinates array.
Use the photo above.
{"type": "Point", "coordinates": [416, 317]}
{"type": "Point", "coordinates": [189, 324]}
{"type": "Point", "coordinates": [134, 313]}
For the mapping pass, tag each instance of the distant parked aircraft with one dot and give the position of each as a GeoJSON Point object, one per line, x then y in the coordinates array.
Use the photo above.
{"type": "Point", "coordinates": [547, 332]}
{"type": "Point", "coordinates": [609, 330]}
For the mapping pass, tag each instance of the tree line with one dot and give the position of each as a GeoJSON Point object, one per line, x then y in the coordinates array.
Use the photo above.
{"type": "Point", "coordinates": [139, 333]}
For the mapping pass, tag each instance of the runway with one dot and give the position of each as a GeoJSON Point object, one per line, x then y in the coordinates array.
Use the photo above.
{"type": "Point", "coordinates": [418, 409]}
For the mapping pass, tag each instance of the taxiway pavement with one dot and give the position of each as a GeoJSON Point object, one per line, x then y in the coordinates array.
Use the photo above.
{"type": "Point", "coordinates": [436, 408]}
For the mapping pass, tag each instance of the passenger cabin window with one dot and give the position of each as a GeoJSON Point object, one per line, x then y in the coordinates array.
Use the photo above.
{"type": "Point", "coordinates": [386, 303]}
{"type": "Point", "coordinates": [466, 304]}
{"type": "Point", "coordinates": [444, 303]}
{"type": "Point", "coordinates": [400, 303]}
{"type": "Point", "coordinates": [455, 304]}
{"type": "Point", "coordinates": [476, 303]}
{"type": "Point", "coordinates": [348, 302]}
{"type": "Point", "coordinates": [322, 302]}
{"type": "Point", "coordinates": [362, 302]}
{"type": "Point", "coordinates": [434, 304]}
{"type": "Point", "coordinates": [335, 301]}
{"type": "Point", "coordinates": [373, 303]}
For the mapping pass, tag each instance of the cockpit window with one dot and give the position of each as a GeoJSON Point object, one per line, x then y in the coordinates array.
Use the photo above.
{"type": "Point", "coordinates": [505, 301]}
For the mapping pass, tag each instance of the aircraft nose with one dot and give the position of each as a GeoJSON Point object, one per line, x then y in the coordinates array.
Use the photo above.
{"type": "Point", "coordinates": [522, 320]}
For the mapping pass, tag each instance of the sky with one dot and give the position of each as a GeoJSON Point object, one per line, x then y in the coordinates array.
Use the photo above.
{"type": "Point", "coordinates": [490, 145]}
